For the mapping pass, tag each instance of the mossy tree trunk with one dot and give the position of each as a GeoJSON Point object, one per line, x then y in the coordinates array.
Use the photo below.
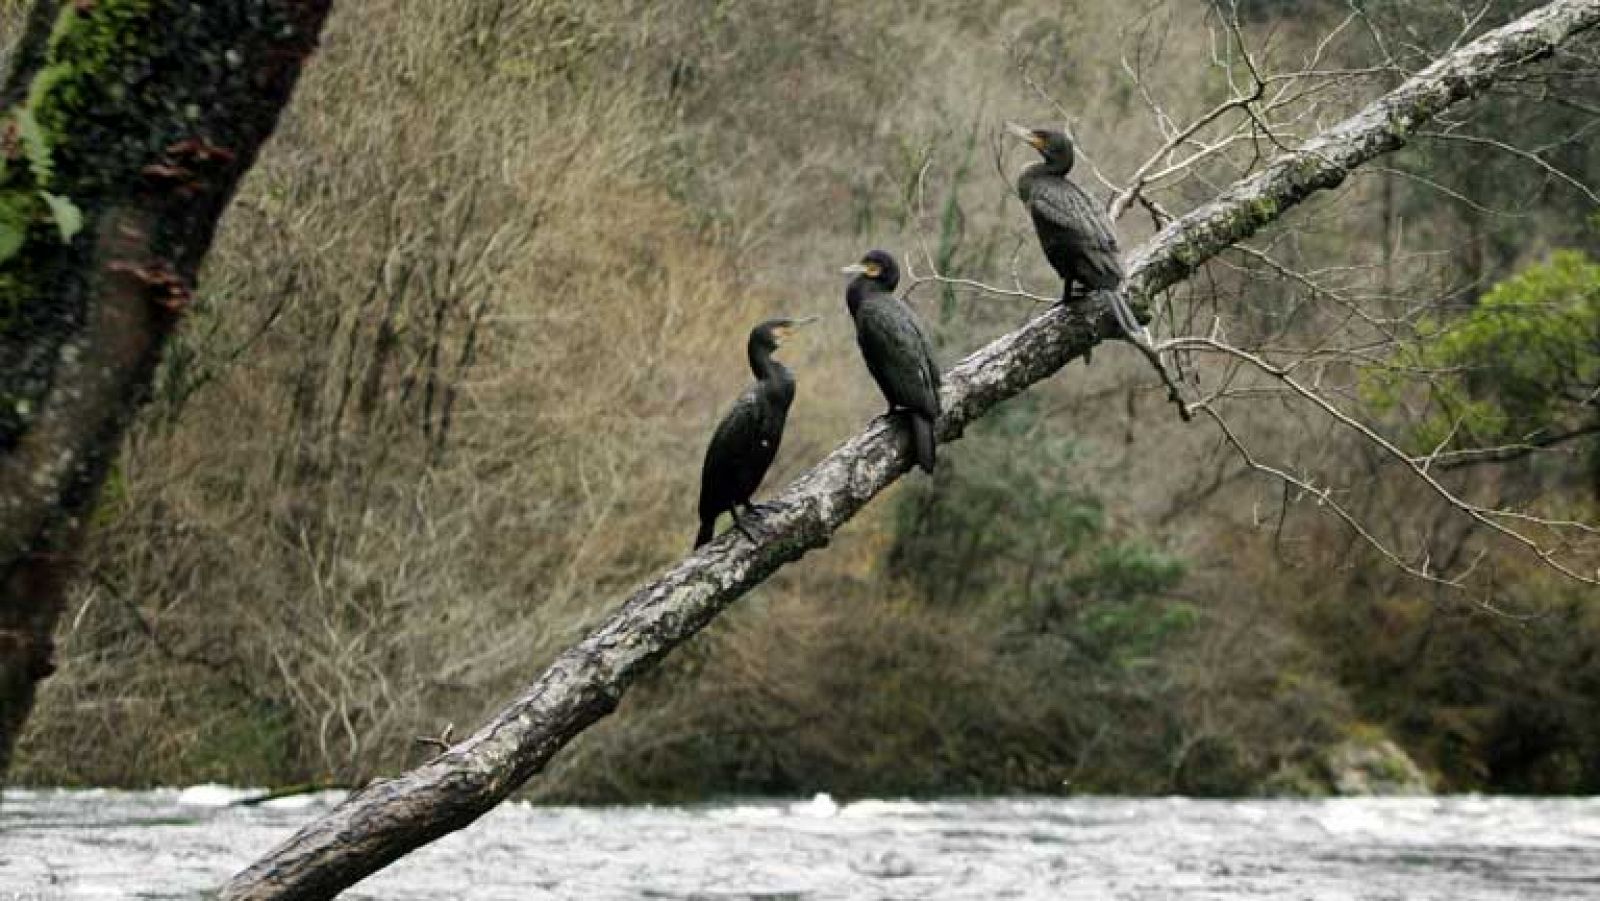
{"type": "Point", "coordinates": [390, 817]}
{"type": "Point", "coordinates": [126, 127]}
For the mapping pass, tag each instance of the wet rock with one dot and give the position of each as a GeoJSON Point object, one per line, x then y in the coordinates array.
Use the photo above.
{"type": "Point", "coordinates": [1365, 764]}
{"type": "Point", "coordinates": [1373, 765]}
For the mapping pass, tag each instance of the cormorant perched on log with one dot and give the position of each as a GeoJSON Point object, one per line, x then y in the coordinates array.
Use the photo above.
{"type": "Point", "coordinates": [896, 348]}
{"type": "Point", "coordinates": [1073, 230]}
{"type": "Point", "coordinates": [746, 441]}
{"type": "Point", "coordinates": [1079, 242]}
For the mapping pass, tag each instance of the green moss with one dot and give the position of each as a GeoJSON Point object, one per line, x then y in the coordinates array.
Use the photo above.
{"type": "Point", "coordinates": [18, 212]}
{"type": "Point", "coordinates": [85, 44]}
{"type": "Point", "coordinates": [1307, 172]}
{"type": "Point", "coordinates": [1187, 254]}
{"type": "Point", "coordinates": [84, 47]}
{"type": "Point", "coordinates": [1263, 210]}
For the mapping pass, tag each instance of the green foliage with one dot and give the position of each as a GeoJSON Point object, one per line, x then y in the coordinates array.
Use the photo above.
{"type": "Point", "coordinates": [1013, 531]}
{"type": "Point", "coordinates": [34, 140]}
{"type": "Point", "coordinates": [86, 41]}
{"type": "Point", "coordinates": [1520, 366]}
{"type": "Point", "coordinates": [1484, 700]}
{"type": "Point", "coordinates": [1124, 617]}
{"type": "Point", "coordinates": [984, 518]}
{"type": "Point", "coordinates": [16, 211]}
{"type": "Point", "coordinates": [987, 515]}
{"type": "Point", "coordinates": [68, 218]}
{"type": "Point", "coordinates": [1128, 571]}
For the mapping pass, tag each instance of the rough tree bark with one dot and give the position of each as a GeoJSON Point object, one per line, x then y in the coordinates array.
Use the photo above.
{"type": "Point", "coordinates": [127, 126]}
{"type": "Point", "coordinates": [390, 817]}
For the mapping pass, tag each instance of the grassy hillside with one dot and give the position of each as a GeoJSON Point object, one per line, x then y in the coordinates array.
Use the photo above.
{"type": "Point", "coordinates": [444, 395]}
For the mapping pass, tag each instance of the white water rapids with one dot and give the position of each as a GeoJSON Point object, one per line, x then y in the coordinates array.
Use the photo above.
{"type": "Point", "coordinates": [171, 844]}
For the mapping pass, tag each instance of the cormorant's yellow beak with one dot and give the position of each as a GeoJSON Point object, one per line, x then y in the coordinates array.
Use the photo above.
{"type": "Point", "coordinates": [1026, 135]}
{"type": "Point", "coordinates": [870, 270]}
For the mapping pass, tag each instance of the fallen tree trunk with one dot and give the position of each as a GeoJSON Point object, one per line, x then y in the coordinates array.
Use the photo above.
{"type": "Point", "coordinates": [127, 126]}
{"type": "Point", "coordinates": [390, 817]}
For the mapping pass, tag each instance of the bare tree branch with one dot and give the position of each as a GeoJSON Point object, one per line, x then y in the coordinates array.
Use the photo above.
{"type": "Point", "coordinates": [1528, 155]}
{"type": "Point", "coordinates": [1419, 466]}
{"type": "Point", "coordinates": [390, 817]}
{"type": "Point", "coordinates": [1459, 459]}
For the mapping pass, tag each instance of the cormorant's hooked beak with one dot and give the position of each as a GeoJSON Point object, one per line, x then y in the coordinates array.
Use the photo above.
{"type": "Point", "coordinates": [1025, 135]}
{"type": "Point", "coordinates": [783, 332]}
{"type": "Point", "coordinates": [870, 270]}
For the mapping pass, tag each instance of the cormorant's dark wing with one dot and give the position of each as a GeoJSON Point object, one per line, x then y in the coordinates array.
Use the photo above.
{"type": "Point", "coordinates": [930, 365]}
{"type": "Point", "coordinates": [1074, 231]}
{"type": "Point", "coordinates": [898, 355]}
{"type": "Point", "coordinates": [741, 450]}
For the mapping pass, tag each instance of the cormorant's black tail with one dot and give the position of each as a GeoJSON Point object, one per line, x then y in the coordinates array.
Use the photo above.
{"type": "Point", "coordinates": [1140, 336]}
{"type": "Point", "coordinates": [923, 443]}
{"type": "Point", "coordinates": [707, 526]}
{"type": "Point", "coordinates": [1131, 326]}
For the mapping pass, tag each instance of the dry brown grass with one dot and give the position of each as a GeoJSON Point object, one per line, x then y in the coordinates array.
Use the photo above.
{"type": "Point", "coordinates": [554, 221]}
{"type": "Point", "coordinates": [445, 393]}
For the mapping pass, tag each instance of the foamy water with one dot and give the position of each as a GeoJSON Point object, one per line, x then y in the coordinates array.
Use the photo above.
{"type": "Point", "coordinates": [180, 844]}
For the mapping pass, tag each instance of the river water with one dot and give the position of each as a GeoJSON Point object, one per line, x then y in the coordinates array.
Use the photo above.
{"type": "Point", "coordinates": [172, 844]}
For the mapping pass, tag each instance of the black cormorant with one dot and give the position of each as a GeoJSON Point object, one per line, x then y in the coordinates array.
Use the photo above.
{"type": "Point", "coordinates": [1079, 242]}
{"type": "Point", "coordinates": [1074, 231]}
{"type": "Point", "coordinates": [896, 348]}
{"type": "Point", "coordinates": [746, 441]}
